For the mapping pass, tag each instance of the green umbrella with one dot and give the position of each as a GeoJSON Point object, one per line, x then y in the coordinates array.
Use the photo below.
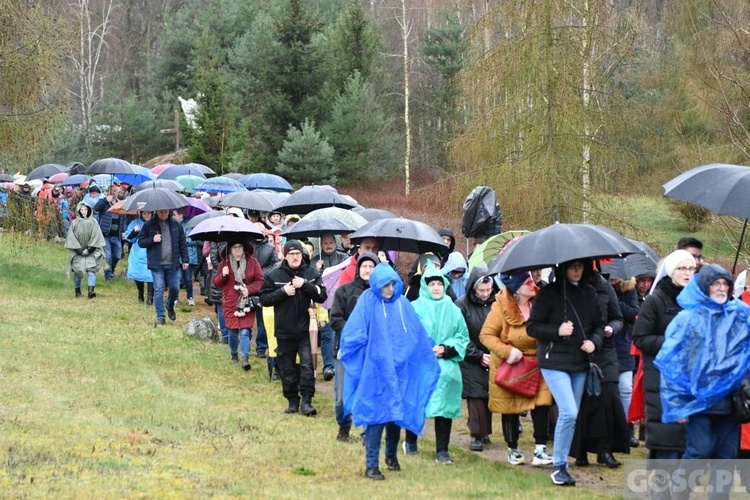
{"type": "Point", "coordinates": [489, 249]}
{"type": "Point", "coordinates": [189, 182]}
{"type": "Point", "coordinates": [347, 216]}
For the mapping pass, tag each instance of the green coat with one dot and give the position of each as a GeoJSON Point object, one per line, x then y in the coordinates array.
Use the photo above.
{"type": "Point", "coordinates": [85, 234]}
{"type": "Point", "coordinates": [446, 326]}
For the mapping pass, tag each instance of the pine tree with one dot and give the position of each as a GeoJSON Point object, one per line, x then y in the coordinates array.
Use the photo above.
{"type": "Point", "coordinates": [306, 157]}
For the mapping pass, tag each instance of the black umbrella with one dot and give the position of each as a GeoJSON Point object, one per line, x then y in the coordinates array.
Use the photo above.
{"type": "Point", "coordinates": [632, 265]}
{"type": "Point", "coordinates": [404, 235]}
{"type": "Point", "coordinates": [372, 214]}
{"type": "Point", "coordinates": [7, 178]}
{"type": "Point", "coordinates": [200, 218]}
{"type": "Point", "coordinates": [723, 189]}
{"type": "Point", "coordinates": [161, 183]}
{"type": "Point", "coordinates": [46, 170]}
{"type": "Point", "coordinates": [155, 199]}
{"type": "Point", "coordinates": [560, 243]}
{"type": "Point", "coordinates": [311, 198]}
{"type": "Point", "coordinates": [110, 166]}
{"type": "Point", "coordinates": [308, 228]}
{"type": "Point", "coordinates": [249, 200]}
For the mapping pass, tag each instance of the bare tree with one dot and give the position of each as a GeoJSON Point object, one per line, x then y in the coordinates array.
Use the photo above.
{"type": "Point", "coordinates": [405, 23]}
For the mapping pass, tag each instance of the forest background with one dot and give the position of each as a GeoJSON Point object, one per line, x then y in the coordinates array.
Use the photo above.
{"type": "Point", "coordinates": [560, 106]}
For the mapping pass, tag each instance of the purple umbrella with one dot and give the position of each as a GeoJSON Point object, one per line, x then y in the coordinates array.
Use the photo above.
{"type": "Point", "coordinates": [226, 228]}
{"type": "Point", "coordinates": [195, 207]}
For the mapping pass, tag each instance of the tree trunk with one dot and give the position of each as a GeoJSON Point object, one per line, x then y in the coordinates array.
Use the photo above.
{"type": "Point", "coordinates": [405, 28]}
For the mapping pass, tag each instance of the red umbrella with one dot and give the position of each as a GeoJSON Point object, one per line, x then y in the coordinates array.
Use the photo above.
{"type": "Point", "coordinates": [58, 178]}
{"type": "Point", "coordinates": [161, 168]}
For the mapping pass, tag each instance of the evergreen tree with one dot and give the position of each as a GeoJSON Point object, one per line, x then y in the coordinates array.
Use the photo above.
{"type": "Point", "coordinates": [306, 157]}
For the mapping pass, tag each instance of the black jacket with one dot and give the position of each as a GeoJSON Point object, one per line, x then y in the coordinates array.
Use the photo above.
{"type": "Point", "coordinates": [153, 249]}
{"type": "Point", "coordinates": [475, 376]}
{"type": "Point", "coordinates": [213, 292]}
{"type": "Point", "coordinates": [629, 307]}
{"type": "Point", "coordinates": [266, 255]}
{"type": "Point", "coordinates": [346, 298]}
{"type": "Point", "coordinates": [291, 319]}
{"type": "Point", "coordinates": [655, 314]}
{"type": "Point", "coordinates": [606, 357]}
{"type": "Point", "coordinates": [550, 310]}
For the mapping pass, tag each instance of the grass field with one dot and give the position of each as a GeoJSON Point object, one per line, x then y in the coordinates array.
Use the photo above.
{"type": "Point", "coordinates": [96, 403]}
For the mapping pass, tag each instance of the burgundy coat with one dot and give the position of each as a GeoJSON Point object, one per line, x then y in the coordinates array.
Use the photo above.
{"type": "Point", "coordinates": [230, 296]}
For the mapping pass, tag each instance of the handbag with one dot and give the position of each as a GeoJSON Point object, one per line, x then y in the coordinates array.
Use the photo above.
{"type": "Point", "coordinates": [594, 380]}
{"type": "Point", "coordinates": [741, 402]}
{"type": "Point", "coordinates": [520, 378]}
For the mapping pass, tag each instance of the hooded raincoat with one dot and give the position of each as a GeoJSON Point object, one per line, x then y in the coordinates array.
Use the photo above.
{"type": "Point", "coordinates": [446, 326]}
{"type": "Point", "coordinates": [706, 352]}
{"type": "Point", "coordinates": [390, 370]}
{"type": "Point", "coordinates": [456, 261]}
{"type": "Point", "coordinates": [85, 243]}
{"type": "Point", "coordinates": [137, 259]}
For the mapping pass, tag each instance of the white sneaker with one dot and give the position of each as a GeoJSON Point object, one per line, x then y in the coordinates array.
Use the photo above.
{"type": "Point", "coordinates": [515, 457]}
{"type": "Point", "coordinates": [541, 457]}
{"type": "Point", "coordinates": [191, 302]}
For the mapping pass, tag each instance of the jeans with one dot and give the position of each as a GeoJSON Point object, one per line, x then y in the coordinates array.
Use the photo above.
{"type": "Point", "coordinates": [625, 384]}
{"type": "Point", "coordinates": [326, 344]}
{"type": "Point", "coordinates": [169, 276]}
{"type": "Point", "coordinates": [90, 276]}
{"type": "Point", "coordinates": [187, 276]}
{"type": "Point", "coordinates": [113, 251]}
{"type": "Point", "coordinates": [373, 434]}
{"type": "Point", "coordinates": [242, 337]}
{"type": "Point", "coordinates": [338, 402]}
{"type": "Point", "coordinates": [567, 389]}
{"type": "Point", "coordinates": [261, 339]}
{"type": "Point", "coordinates": [222, 324]}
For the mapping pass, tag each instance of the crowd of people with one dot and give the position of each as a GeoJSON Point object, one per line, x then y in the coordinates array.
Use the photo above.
{"type": "Point", "coordinates": [402, 351]}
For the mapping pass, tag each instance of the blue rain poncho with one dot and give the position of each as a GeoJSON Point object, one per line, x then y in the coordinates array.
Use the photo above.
{"type": "Point", "coordinates": [446, 326]}
{"type": "Point", "coordinates": [456, 261]}
{"type": "Point", "coordinates": [390, 370]}
{"type": "Point", "coordinates": [706, 351]}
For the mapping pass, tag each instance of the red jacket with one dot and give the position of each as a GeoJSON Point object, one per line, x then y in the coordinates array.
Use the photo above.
{"type": "Point", "coordinates": [229, 296]}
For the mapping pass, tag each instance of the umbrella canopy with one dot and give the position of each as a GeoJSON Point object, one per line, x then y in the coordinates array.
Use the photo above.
{"type": "Point", "coordinates": [117, 208]}
{"type": "Point", "coordinates": [220, 185]}
{"type": "Point", "coordinates": [58, 177]}
{"type": "Point", "coordinates": [248, 200]}
{"type": "Point", "coordinates": [275, 197]}
{"type": "Point", "coordinates": [7, 178]}
{"type": "Point", "coordinates": [45, 171]}
{"type": "Point", "coordinates": [225, 228]}
{"type": "Point", "coordinates": [110, 166]}
{"type": "Point", "coordinates": [161, 168]}
{"type": "Point", "coordinates": [174, 172]}
{"type": "Point", "coordinates": [76, 180]}
{"type": "Point", "coordinates": [308, 228]}
{"type": "Point", "coordinates": [404, 235]}
{"type": "Point", "coordinates": [200, 218]}
{"type": "Point", "coordinates": [271, 182]}
{"type": "Point", "coordinates": [560, 243]}
{"type": "Point", "coordinates": [632, 265]}
{"type": "Point", "coordinates": [201, 168]}
{"type": "Point", "coordinates": [372, 214]}
{"type": "Point", "coordinates": [347, 216]}
{"type": "Point", "coordinates": [161, 183]}
{"type": "Point", "coordinates": [10, 186]}
{"type": "Point", "coordinates": [717, 187]}
{"type": "Point", "coordinates": [311, 198]}
{"type": "Point", "coordinates": [234, 175]}
{"type": "Point", "coordinates": [155, 199]}
{"type": "Point", "coordinates": [102, 180]}
{"type": "Point", "coordinates": [195, 207]}
{"type": "Point", "coordinates": [140, 175]}
{"type": "Point", "coordinates": [189, 182]}
{"type": "Point", "coordinates": [491, 247]}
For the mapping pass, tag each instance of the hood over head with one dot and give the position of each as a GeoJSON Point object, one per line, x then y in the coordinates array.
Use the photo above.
{"type": "Point", "coordinates": [381, 276]}
{"type": "Point", "coordinates": [710, 273]}
{"type": "Point", "coordinates": [366, 256]}
{"type": "Point", "coordinates": [78, 209]}
{"type": "Point", "coordinates": [444, 231]}
{"type": "Point", "coordinates": [429, 275]}
{"type": "Point", "coordinates": [455, 261]}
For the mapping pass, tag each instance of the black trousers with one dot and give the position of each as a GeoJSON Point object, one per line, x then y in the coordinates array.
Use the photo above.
{"type": "Point", "coordinates": [442, 434]}
{"type": "Point", "coordinates": [539, 418]}
{"type": "Point", "coordinates": [296, 379]}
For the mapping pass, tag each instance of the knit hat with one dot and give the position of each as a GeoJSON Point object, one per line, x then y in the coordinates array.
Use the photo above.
{"type": "Point", "coordinates": [514, 281]}
{"type": "Point", "coordinates": [672, 260]}
{"type": "Point", "coordinates": [293, 245]}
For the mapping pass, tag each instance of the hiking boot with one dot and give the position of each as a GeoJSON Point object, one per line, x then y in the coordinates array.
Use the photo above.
{"type": "Point", "coordinates": [560, 476]}
{"type": "Point", "coordinates": [328, 373]}
{"type": "Point", "coordinates": [92, 293]}
{"type": "Point", "coordinates": [246, 363]}
{"type": "Point", "coordinates": [160, 321]}
{"type": "Point", "coordinates": [409, 448]}
{"type": "Point", "coordinates": [307, 409]}
{"type": "Point", "coordinates": [515, 457]}
{"type": "Point", "coordinates": [541, 457]}
{"type": "Point", "coordinates": [343, 434]}
{"type": "Point", "coordinates": [78, 292]}
{"type": "Point", "coordinates": [476, 444]}
{"type": "Point", "coordinates": [608, 459]}
{"type": "Point", "coordinates": [633, 440]}
{"type": "Point", "coordinates": [261, 354]}
{"type": "Point", "coordinates": [392, 463]}
{"type": "Point", "coordinates": [171, 314]}
{"type": "Point", "coordinates": [374, 473]}
{"type": "Point", "coordinates": [293, 406]}
{"type": "Point", "coordinates": [442, 457]}
{"type": "Point", "coordinates": [235, 359]}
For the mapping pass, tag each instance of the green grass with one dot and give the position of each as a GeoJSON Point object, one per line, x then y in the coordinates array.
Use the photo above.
{"type": "Point", "coordinates": [95, 402]}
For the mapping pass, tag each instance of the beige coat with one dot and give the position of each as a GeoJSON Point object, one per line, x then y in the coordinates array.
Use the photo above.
{"type": "Point", "coordinates": [504, 329]}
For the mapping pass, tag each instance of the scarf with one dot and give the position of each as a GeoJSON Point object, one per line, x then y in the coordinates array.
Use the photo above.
{"type": "Point", "coordinates": [238, 268]}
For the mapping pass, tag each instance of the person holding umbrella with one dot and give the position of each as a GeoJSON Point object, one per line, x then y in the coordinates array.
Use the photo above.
{"type": "Point", "coordinates": [289, 289]}
{"type": "Point", "coordinates": [239, 276]}
{"type": "Point", "coordinates": [567, 323]}
{"type": "Point", "coordinates": [166, 249]}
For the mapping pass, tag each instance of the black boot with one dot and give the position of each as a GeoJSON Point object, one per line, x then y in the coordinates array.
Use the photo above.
{"type": "Point", "coordinates": [633, 440]}
{"type": "Point", "coordinates": [246, 363]}
{"type": "Point", "coordinates": [608, 460]}
{"type": "Point", "coordinates": [307, 409]}
{"type": "Point", "coordinates": [343, 435]}
{"type": "Point", "coordinates": [92, 293]}
{"type": "Point", "coordinates": [293, 406]}
{"type": "Point", "coordinates": [78, 292]}
{"type": "Point", "coordinates": [149, 294]}
{"type": "Point", "coordinates": [139, 286]}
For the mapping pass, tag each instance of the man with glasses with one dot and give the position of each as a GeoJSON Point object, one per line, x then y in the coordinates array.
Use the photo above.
{"type": "Point", "coordinates": [695, 247]}
{"type": "Point", "coordinates": [290, 289]}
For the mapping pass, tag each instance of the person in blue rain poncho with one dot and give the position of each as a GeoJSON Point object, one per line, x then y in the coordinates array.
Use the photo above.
{"type": "Point", "coordinates": [390, 370]}
{"type": "Point", "coordinates": [446, 326]}
{"type": "Point", "coordinates": [455, 270]}
{"type": "Point", "coordinates": [704, 358]}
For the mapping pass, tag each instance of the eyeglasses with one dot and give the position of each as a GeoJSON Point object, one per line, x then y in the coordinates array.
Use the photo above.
{"type": "Point", "coordinates": [683, 269]}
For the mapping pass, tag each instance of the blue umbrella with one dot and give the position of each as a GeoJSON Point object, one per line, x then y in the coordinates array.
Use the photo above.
{"type": "Point", "coordinates": [76, 180]}
{"type": "Point", "coordinates": [141, 175]}
{"type": "Point", "coordinates": [266, 181]}
{"type": "Point", "coordinates": [173, 172]}
{"type": "Point", "coordinates": [219, 185]}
